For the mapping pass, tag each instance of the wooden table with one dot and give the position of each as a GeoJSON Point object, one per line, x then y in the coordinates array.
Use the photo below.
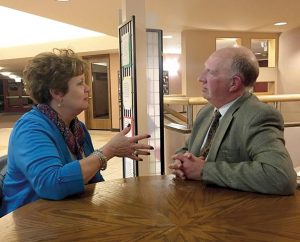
{"type": "Point", "coordinates": [156, 208]}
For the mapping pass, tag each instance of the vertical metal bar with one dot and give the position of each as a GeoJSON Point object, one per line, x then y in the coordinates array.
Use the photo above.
{"type": "Point", "coordinates": [279, 106]}
{"type": "Point", "coordinates": [189, 116]}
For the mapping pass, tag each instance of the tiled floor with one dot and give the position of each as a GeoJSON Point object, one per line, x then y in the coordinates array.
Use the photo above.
{"type": "Point", "coordinates": [99, 138]}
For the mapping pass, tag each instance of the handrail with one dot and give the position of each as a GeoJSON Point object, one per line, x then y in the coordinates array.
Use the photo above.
{"type": "Point", "coordinates": [176, 100]}
{"type": "Point", "coordinates": [184, 130]}
{"type": "Point", "coordinates": [292, 124]}
{"type": "Point", "coordinates": [190, 101]}
{"type": "Point", "coordinates": [279, 98]}
{"type": "Point", "coordinates": [197, 101]}
{"type": "Point", "coordinates": [175, 114]}
{"type": "Point", "coordinates": [178, 128]}
{"type": "Point", "coordinates": [203, 101]}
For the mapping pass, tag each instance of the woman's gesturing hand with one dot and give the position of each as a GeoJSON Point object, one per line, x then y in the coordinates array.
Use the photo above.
{"type": "Point", "coordinates": [122, 146]}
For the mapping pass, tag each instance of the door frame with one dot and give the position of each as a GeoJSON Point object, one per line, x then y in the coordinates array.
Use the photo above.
{"type": "Point", "coordinates": [91, 122]}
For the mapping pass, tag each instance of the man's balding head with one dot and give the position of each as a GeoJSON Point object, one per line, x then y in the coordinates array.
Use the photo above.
{"type": "Point", "coordinates": [243, 63]}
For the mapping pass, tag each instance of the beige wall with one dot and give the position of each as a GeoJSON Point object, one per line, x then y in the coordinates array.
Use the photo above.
{"type": "Point", "coordinates": [289, 71]}
{"type": "Point", "coordinates": [81, 117]}
{"type": "Point", "coordinates": [114, 86]}
{"type": "Point", "coordinates": [197, 45]}
{"type": "Point", "coordinates": [174, 80]}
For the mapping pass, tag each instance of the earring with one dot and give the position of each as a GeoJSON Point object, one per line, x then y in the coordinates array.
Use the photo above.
{"type": "Point", "coordinates": [59, 104]}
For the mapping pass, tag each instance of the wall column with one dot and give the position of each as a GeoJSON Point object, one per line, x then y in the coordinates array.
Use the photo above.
{"type": "Point", "coordinates": [137, 8]}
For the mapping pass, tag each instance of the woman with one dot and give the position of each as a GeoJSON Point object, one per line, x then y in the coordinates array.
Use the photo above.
{"type": "Point", "coordinates": [50, 152]}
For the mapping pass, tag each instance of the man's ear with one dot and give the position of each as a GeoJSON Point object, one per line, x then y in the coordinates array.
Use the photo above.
{"type": "Point", "coordinates": [236, 83]}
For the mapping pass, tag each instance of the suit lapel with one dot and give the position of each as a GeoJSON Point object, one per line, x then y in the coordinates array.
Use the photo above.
{"type": "Point", "coordinates": [224, 125]}
{"type": "Point", "coordinates": [201, 132]}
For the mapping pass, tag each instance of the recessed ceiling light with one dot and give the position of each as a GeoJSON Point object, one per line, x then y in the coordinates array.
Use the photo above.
{"type": "Point", "coordinates": [62, 0]}
{"type": "Point", "coordinates": [167, 36]}
{"type": "Point", "coordinates": [280, 23]}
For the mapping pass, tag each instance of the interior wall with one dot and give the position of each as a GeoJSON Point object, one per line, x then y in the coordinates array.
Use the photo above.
{"type": "Point", "coordinates": [289, 72]}
{"type": "Point", "coordinates": [114, 86]}
{"type": "Point", "coordinates": [81, 117]}
{"type": "Point", "coordinates": [174, 76]}
{"type": "Point", "coordinates": [197, 45]}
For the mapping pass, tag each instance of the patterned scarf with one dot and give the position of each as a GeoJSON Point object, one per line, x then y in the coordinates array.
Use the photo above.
{"type": "Point", "coordinates": [73, 135]}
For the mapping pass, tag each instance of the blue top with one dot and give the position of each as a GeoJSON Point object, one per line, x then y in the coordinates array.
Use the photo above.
{"type": "Point", "coordinates": [40, 164]}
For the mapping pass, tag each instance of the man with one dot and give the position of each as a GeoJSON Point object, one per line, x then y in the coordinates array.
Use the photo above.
{"type": "Point", "coordinates": [247, 151]}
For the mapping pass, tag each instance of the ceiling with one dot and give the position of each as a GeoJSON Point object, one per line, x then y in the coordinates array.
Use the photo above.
{"type": "Point", "coordinates": [172, 16]}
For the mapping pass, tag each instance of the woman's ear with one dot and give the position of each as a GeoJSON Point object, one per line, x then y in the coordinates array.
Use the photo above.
{"type": "Point", "coordinates": [56, 95]}
{"type": "Point", "coordinates": [236, 83]}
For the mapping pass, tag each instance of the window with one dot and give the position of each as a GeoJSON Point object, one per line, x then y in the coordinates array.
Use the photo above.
{"type": "Point", "coordinates": [264, 50]}
{"type": "Point", "coordinates": [227, 42]}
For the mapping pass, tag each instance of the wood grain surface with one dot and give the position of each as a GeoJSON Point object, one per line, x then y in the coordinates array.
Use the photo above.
{"type": "Point", "coordinates": [156, 208]}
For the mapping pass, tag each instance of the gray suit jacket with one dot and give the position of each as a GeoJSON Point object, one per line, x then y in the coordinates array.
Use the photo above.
{"type": "Point", "coordinates": [248, 150]}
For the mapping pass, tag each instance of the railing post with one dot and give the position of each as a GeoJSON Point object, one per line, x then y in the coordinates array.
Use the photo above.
{"type": "Point", "coordinates": [189, 116]}
{"type": "Point", "coordinates": [279, 106]}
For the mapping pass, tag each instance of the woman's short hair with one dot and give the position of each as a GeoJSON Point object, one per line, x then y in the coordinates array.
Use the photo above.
{"type": "Point", "coordinates": [51, 70]}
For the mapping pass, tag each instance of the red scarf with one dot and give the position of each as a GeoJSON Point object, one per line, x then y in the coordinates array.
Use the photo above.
{"type": "Point", "coordinates": [73, 135]}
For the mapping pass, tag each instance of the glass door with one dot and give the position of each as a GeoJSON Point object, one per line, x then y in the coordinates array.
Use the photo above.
{"type": "Point", "coordinates": [98, 115]}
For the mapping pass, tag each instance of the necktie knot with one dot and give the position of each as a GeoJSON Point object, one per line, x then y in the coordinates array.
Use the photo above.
{"type": "Point", "coordinates": [217, 114]}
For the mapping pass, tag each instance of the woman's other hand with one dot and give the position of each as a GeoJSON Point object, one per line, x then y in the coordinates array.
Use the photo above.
{"type": "Point", "coordinates": [122, 146]}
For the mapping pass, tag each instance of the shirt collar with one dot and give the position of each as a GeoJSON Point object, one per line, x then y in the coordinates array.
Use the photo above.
{"type": "Point", "coordinates": [225, 107]}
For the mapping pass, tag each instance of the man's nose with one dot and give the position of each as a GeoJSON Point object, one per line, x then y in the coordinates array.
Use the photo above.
{"type": "Point", "coordinates": [201, 78]}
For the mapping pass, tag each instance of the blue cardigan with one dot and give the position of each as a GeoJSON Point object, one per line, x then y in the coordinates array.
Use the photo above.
{"type": "Point", "coordinates": [40, 164]}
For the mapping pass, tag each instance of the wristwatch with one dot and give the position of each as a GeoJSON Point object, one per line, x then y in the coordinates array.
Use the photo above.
{"type": "Point", "coordinates": [102, 158]}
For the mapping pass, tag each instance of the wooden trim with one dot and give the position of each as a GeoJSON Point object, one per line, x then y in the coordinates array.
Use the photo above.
{"type": "Point", "coordinates": [175, 113]}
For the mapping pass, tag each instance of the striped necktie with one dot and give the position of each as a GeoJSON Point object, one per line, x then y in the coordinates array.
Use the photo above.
{"type": "Point", "coordinates": [214, 125]}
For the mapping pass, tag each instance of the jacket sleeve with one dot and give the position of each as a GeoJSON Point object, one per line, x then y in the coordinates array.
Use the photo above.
{"type": "Point", "coordinates": [40, 158]}
{"type": "Point", "coordinates": [268, 169]}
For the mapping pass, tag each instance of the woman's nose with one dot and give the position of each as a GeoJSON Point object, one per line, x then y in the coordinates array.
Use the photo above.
{"type": "Point", "coordinates": [87, 88]}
